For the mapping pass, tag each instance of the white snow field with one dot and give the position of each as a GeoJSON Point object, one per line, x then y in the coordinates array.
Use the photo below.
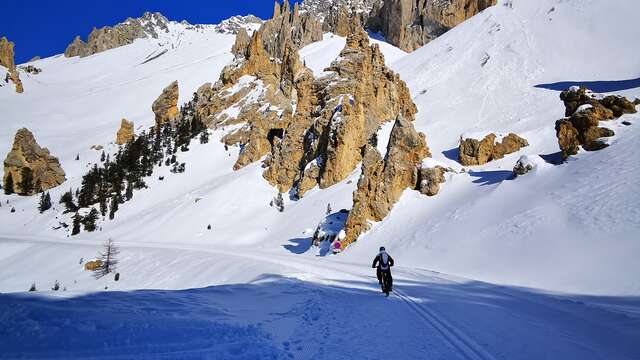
{"type": "Point", "coordinates": [543, 266]}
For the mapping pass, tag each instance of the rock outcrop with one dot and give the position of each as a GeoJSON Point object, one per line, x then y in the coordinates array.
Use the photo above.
{"type": "Point", "coordinates": [409, 24]}
{"type": "Point", "coordinates": [288, 26]}
{"type": "Point", "coordinates": [584, 111]}
{"type": "Point", "coordinates": [383, 180]}
{"type": "Point", "coordinates": [235, 24]}
{"type": "Point", "coordinates": [477, 152]}
{"type": "Point", "coordinates": [28, 157]}
{"type": "Point", "coordinates": [429, 180]}
{"type": "Point", "coordinates": [125, 133]}
{"type": "Point", "coordinates": [166, 105]}
{"type": "Point", "coordinates": [309, 131]}
{"type": "Point", "coordinates": [125, 33]}
{"type": "Point", "coordinates": [7, 60]}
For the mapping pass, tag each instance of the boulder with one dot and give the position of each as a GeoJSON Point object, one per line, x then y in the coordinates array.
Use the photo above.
{"type": "Point", "coordinates": [429, 180]}
{"type": "Point", "coordinates": [584, 110]}
{"type": "Point", "coordinates": [93, 265]}
{"type": "Point", "coordinates": [125, 133]}
{"type": "Point", "coordinates": [27, 155]}
{"type": "Point", "coordinates": [477, 152]}
{"type": "Point", "coordinates": [166, 105]}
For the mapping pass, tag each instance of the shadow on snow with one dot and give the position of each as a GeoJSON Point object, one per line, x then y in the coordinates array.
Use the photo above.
{"type": "Point", "coordinates": [244, 321]}
{"type": "Point", "coordinates": [597, 86]}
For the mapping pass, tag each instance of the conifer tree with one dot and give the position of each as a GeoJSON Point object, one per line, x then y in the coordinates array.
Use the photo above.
{"type": "Point", "coordinates": [45, 202]}
{"type": "Point", "coordinates": [109, 260]}
{"type": "Point", "coordinates": [89, 221]}
{"type": "Point", "coordinates": [8, 184]}
{"type": "Point", "coordinates": [67, 201]}
{"type": "Point", "coordinates": [77, 221]}
{"type": "Point", "coordinates": [26, 183]}
{"type": "Point", "coordinates": [103, 157]}
{"type": "Point", "coordinates": [114, 207]}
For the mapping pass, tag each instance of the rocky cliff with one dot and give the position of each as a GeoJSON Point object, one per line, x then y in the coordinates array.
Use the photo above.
{"type": "Point", "coordinates": [147, 26]}
{"type": "Point", "coordinates": [165, 107]}
{"type": "Point", "coordinates": [7, 60]}
{"type": "Point", "coordinates": [409, 24]}
{"type": "Point", "coordinates": [384, 179]}
{"type": "Point", "coordinates": [27, 158]}
{"type": "Point", "coordinates": [125, 133]}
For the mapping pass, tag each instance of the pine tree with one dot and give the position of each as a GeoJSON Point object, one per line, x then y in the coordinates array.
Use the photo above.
{"type": "Point", "coordinates": [115, 201]}
{"type": "Point", "coordinates": [45, 202]}
{"type": "Point", "coordinates": [26, 183]}
{"type": "Point", "coordinates": [89, 221]}
{"type": "Point", "coordinates": [67, 200]}
{"type": "Point", "coordinates": [103, 205]}
{"type": "Point", "coordinates": [109, 260]}
{"type": "Point", "coordinates": [103, 157]}
{"type": "Point", "coordinates": [128, 194]}
{"type": "Point", "coordinates": [204, 137]}
{"type": "Point", "coordinates": [77, 220]}
{"type": "Point", "coordinates": [8, 185]}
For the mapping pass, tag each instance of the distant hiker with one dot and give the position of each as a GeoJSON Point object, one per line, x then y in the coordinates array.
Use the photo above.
{"type": "Point", "coordinates": [383, 263]}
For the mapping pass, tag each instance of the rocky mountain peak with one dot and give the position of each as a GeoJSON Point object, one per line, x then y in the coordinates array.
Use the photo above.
{"type": "Point", "coordinates": [234, 24]}
{"type": "Point", "coordinates": [149, 25]}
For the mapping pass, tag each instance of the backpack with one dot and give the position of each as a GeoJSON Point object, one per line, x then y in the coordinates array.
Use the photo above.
{"type": "Point", "coordinates": [384, 261]}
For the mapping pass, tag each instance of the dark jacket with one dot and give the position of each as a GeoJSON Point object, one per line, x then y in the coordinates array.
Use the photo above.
{"type": "Point", "coordinates": [377, 262]}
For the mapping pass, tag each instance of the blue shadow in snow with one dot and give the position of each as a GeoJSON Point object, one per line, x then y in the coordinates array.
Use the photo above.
{"type": "Point", "coordinates": [299, 246]}
{"type": "Point", "coordinates": [237, 322]}
{"type": "Point", "coordinates": [491, 177]}
{"type": "Point", "coordinates": [553, 158]}
{"type": "Point", "coordinates": [451, 154]}
{"type": "Point", "coordinates": [597, 86]}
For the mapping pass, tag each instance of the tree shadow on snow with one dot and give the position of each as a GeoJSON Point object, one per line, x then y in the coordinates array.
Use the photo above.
{"type": "Point", "coordinates": [239, 321]}
{"type": "Point", "coordinates": [597, 86]}
{"type": "Point", "coordinates": [491, 177]}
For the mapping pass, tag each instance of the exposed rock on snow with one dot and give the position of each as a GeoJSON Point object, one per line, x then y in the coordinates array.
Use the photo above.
{"type": "Point", "coordinates": [30, 69]}
{"type": "Point", "coordinates": [429, 180]}
{"type": "Point", "coordinates": [384, 180]}
{"type": "Point", "coordinates": [147, 26]}
{"type": "Point", "coordinates": [526, 164]}
{"type": "Point", "coordinates": [477, 152]}
{"type": "Point", "coordinates": [27, 154]}
{"type": "Point", "coordinates": [585, 110]}
{"type": "Point", "coordinates": [7, 60]}
{"type": "Point", "coordinates": [242, 43]}
{"type": "Point", "coordinates": [166, 105]}
{"type": "Point", "coordinates": [409, 24]}
{"type": "Point", "coordinates": [125, 133]}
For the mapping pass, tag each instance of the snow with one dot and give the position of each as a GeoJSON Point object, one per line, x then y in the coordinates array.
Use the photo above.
{"type": "Point", "coordinates": [555, 249]}
{"type": "Point", "coordinates": [384, 134]}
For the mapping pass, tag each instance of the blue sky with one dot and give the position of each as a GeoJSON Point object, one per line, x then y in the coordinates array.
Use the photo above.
{"type": "Point", "coordinates": [46, 27]}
